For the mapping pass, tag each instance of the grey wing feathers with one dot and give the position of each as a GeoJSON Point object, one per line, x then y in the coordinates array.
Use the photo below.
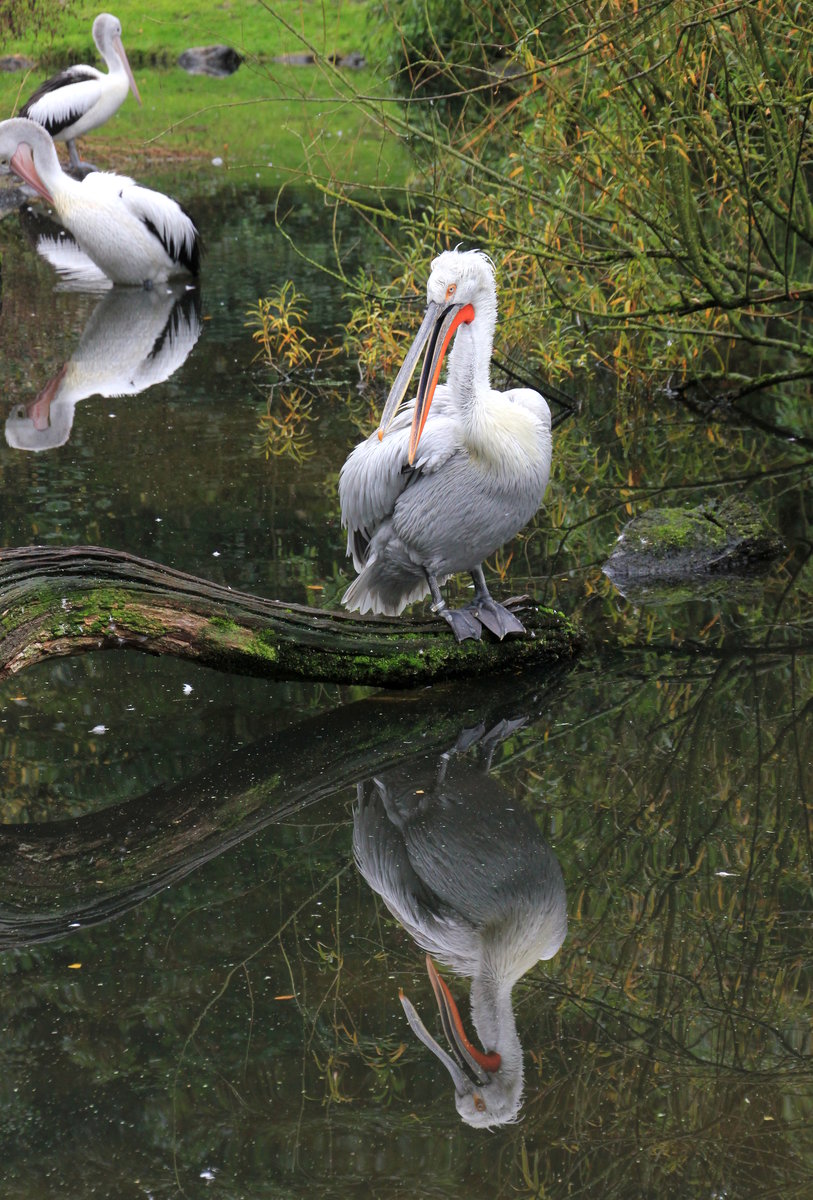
{"type": "Point", "coordinates": [370, 482]}
{"type": "Point", "coordinates": [377, 472]}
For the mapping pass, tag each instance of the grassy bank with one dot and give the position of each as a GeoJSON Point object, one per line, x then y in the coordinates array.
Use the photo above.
{"type": "Point", "coordinates": [268, 119]}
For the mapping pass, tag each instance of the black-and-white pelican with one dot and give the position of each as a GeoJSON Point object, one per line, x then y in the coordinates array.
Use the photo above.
{"type": "Point", "coordinates": [134, 235]}
{"type": "Point", "coordinates": [469, 876]}
{"type": "Point", "coordinates": [81, 98]}
{"type": "Point", "coordinates": [435, 492]}
{"type": "Point", "coordinates": [133, 340]}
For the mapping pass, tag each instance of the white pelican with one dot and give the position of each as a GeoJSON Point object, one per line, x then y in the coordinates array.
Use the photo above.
{"type": "Point", "coordinates": [470, 878]}
{"type": "Point", "coordinates": [133, 340]}
{"type": "Point", "coordinates": [81, 98]}
{"type": "Point", "coordinates": [434, 493]}
{"type": "Point", "coordinates": [133, 234]}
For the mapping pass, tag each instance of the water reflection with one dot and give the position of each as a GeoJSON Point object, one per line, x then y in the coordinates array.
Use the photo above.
{"type": "Point", "coordinates": [135, 338]}
{"type": "Point", "coordinates": [470, 878]}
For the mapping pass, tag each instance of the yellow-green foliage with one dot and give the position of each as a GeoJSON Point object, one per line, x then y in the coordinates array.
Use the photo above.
{"type": "Point", "coordinates": [641, 180]}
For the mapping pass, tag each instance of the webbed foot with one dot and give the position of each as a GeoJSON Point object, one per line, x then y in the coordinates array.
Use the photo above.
{"type": "Point", "coordinates": [464, 623]}
{"type": "Point", "coordinates": [495, 617]}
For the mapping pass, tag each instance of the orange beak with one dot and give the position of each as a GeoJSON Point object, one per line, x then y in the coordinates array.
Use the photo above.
{"type": "Point", "coordinates": [439, 325]}
{"type": "Point", "coordinates": [466, 1064]}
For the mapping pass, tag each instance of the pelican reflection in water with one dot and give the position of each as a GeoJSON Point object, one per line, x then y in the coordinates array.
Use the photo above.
{"type": "Point", "coordinates": [133, 340]}
{"type": "Point", "coordinates": [471, 879]}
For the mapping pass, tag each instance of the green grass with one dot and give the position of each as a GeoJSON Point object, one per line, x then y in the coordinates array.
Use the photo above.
{"type": "Point", "coordinates": [255, 29]}
{"type": "Point", "coordinates": [266, 113]}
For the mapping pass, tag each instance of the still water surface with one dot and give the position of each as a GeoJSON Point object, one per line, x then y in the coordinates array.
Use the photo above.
{"type": "Point", "coordinates": [215, 887]}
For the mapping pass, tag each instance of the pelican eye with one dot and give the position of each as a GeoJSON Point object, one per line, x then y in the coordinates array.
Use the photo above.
{"type": "Point", "coordinates": [450, 291]}
{"type": "Point", "coordinates": [479, 1102]}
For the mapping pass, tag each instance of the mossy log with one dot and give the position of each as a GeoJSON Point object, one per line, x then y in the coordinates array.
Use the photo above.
{"type": "Point", "coordinates": [70, 600]}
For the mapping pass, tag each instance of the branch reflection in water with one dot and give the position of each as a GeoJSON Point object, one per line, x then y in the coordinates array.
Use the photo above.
{"type": "Point", "coordinates": [470, 878]}
{"type": "Point", "coordinates": [135, 338]}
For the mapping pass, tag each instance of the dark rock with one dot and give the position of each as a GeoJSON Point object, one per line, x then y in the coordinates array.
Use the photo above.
{"type": "Point", "coordinates": [16, 62]}
{"type": "Point", "coordinates": [11, 197]}
{"type": "Point", "coordinates": [677, 546]}
{"type": "Point", "coordinates": [354, 61]}
{"type": "Point", "coordinates": [294, 60]}
{"type": "Point", "coordinates": [210, 60]}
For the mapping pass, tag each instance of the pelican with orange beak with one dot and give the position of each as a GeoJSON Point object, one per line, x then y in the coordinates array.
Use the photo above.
{"type": "Point", "coordinates": [82, 98]}
{"type": "Point", "coordinates": [452, 475]}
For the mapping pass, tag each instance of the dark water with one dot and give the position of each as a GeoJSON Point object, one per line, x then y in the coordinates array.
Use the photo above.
{"type": "Point", "coordinates": [200, 988]}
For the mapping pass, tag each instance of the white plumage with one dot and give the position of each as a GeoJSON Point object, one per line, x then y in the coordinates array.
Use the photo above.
{"type": "Point", "coordinates": [81, 98]}
{"type": "Point", "coordinates": [133, 340]}
{"type": "Point", "coordinates": [422, 502]}
{"type": "Point", "coordinates": [470, 878]}
{"type": "Point", "coordinates": [134, 235]}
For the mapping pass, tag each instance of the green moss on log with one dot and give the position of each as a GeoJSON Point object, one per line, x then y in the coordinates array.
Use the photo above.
{"type": "Point", "coordinates": [67, 601]}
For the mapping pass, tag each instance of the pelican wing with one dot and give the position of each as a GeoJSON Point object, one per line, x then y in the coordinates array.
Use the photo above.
{"type": "Point", "coordinates": [63, 98]}
{"type": "Point", "coordinates": [168, 221]}
{"type": "Point", "coordinates": [382, 859]}
{"type": "Point", "coordinates": [377, 472]}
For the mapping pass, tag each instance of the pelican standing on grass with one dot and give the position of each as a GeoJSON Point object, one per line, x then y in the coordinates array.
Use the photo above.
{"type": "Point", "coordinates": [432, 493]}
{"type": "Point", "coordinates": [81, 98]}
{"type": "Point", "coordinates": [133, 234]}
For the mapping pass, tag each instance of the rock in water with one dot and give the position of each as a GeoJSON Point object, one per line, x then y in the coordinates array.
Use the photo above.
{"type": "Point", "coordinates": [677, 545]}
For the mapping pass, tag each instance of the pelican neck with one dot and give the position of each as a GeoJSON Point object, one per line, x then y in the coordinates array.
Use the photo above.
{"type": "Point", "coordinates": [469, 375]}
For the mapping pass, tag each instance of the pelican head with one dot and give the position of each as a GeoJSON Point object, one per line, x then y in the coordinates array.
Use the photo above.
{"type": "Point", "coordinates": [488, 1084]}
{"type": "Point", "coordinates": [28, 150]}
{"type": "Point", "coordinates": [461, 289]}
{"type": "Point", "coordinates": [107, 36]}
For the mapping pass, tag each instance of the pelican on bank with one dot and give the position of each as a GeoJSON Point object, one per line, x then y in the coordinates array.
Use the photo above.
{"type": "Point", "coordinates": [134, 234]}
{"type": "Point", "coordinates": [469, 876]}
{"type": "Point", "coordinates": [437, 490]}
{"type": "Point", "coordinates": [81, 98]}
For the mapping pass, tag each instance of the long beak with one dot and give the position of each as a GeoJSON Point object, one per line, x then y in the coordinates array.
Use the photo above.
{"type": "Point", "coordinates": [469, 1065]}
{"type": "Point", "coordinates": [119, 45]}
{"type": "Point", "coordinates": [39, 410]}
{"type": "Point", "coordinates": [437, 329]}
{"type": "Point", "coordinates": [22, 164]}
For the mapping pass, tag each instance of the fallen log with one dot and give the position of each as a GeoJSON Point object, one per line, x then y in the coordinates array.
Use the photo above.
{"type": "Point", "coordinates": [63, 601]}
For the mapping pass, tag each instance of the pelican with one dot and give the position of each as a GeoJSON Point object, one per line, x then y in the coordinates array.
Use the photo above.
{"type": "Point", "coordinates": [133, 234]}
{"type": "Point", "coordinates": [432, 493]}
{"type": "Point", "coordinates": [133, 340]}
{"type": "Point", "coordinates": [81, 98]}
{"type": "Point", "coordinates": [470, 878]}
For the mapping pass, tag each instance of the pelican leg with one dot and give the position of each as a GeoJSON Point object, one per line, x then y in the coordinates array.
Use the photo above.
{"type": "Point", "coordinates": [463, 621]}
{"type": "Point", "coordinates": [494, 616]}
{"type": "Point", "coordinates": [78, 168]}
